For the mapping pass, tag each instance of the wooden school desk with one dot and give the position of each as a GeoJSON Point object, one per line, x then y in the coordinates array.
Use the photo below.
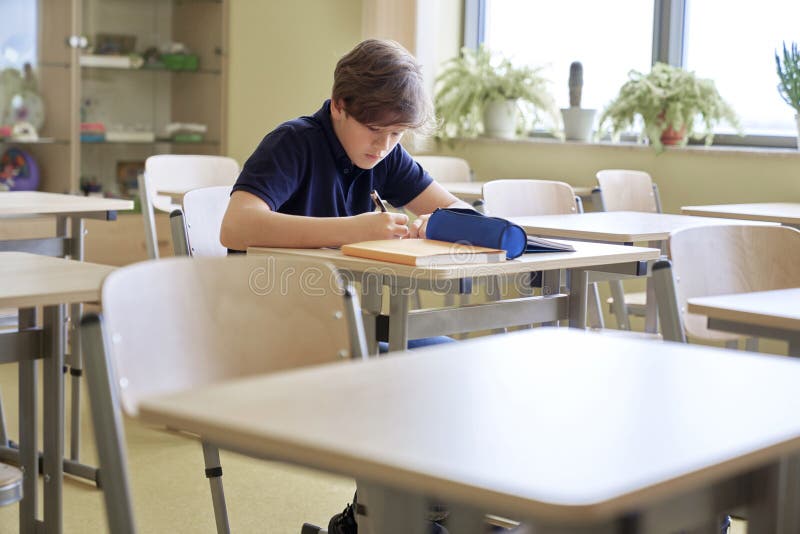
{"type": "Point", "coordinates": [569, 431]}
{"type": "Point", "coordinates": [786, 213]}
{"type": "Point", "coordinates": [625, 227]}
{"type": "Point", "coordinates": [31, 280]}
{"type": "Point", "coordinates": [403, 280]}
{"type": "Point", "coordinates": [773, 314]}
{"type": "Point", "coordinates": [69, 212]}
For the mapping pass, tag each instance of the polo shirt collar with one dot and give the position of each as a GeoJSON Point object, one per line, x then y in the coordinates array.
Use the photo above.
{"type": "Point", "coordinates": [343, 163]}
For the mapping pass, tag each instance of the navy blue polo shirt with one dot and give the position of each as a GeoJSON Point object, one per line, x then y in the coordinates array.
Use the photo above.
{"type": "Point", "coordinates": [301, 168]}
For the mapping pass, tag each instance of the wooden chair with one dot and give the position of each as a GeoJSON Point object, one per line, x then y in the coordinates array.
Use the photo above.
{"type": "Point", "coordinates": [196, 226]}
{"type": "Point", "coordinates": [177, 174]}
{"type": "Point", "coordinates": [719, 260]}
{"type": "Point", "coordinates": [182, 323]}
{"type": "Point", "coordinates": [627, 190]}
{"type": "Point", "coordinates": [520, 198]}
{"type": "Point", "coordinates": [446, 168]}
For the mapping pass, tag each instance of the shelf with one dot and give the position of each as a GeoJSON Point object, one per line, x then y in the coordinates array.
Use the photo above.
{"type": "Point", "coordinates": [157, 141]}
{"type": "Point", "coordinates": [211, 72]}
{"type": "Point", "coordinates": [40, 141]}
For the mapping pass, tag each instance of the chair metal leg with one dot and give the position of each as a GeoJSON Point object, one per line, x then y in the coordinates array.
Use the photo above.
{"type": "Point", "coordinates": [214, 475]}
{"type": "Point", "coordinates": [620, 308]}
{"type": "Point", "coordinates": [109, 432]}
{"type": "Point", "coordinates": [593, 308]}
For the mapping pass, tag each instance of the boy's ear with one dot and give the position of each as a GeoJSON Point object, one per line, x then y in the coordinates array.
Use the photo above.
{"type": "Point", "coordinates": [337, 108]}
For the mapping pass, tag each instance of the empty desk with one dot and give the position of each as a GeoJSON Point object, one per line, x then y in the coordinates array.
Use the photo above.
{"type": "Point", "coordinates": [556, 427]}
{"type": "Point", "coordinates": [774, 314]}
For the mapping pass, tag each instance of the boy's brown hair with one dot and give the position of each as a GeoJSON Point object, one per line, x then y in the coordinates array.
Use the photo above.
{"type": "Point", "coordinates": [380, 83]}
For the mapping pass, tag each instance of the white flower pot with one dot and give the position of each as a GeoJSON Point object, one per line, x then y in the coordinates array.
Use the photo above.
{"type": "Point", "coordinates": [500, 119]}
{"type": "Point", "coordinates": [578, 123]}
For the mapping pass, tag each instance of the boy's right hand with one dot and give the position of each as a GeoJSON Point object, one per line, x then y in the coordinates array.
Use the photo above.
{"type": "Point", "coordinates": [380, 225]}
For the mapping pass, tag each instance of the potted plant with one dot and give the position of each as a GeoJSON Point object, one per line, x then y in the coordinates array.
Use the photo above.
{"type": "Point", "coordinates": [478, 93]}
{"type": "Point", "coordinates": [789, 76]}
{"type": "Point", "coordinates": [577, 120]}
{"type": "Point", "coordinates": [669, 100]}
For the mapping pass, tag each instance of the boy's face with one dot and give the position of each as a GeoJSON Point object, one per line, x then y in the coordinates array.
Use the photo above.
{"type": "Point", "coordinates": [366, 145]}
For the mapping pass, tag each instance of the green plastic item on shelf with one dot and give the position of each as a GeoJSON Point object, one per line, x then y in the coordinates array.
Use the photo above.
{"type": "Point", "coordinates": [188, 137]}
{"type": "Point", "coordinates": [180, 61]}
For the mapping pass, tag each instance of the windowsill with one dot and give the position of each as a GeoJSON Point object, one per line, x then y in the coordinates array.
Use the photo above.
{"type": "Point", "coordinates": [627, 145]}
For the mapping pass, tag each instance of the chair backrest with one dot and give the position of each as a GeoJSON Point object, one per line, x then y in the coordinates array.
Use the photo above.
{"type": "Point", "coordinates": [626, 190]}
{"type": "Point", "coordinates": [199, 222]}
{"type": "Point", "coordinates": [446, 168]}
{"type": "Point", "coordinates": [178, 173]}
{"type": "Point", "coordinates": [520, 198]}
{"type": "Point", "coordinates": [723, 259]}
{"type": "Point", "coordinates": [179, 323]}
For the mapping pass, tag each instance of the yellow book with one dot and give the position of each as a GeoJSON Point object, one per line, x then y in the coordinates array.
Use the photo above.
{"type": "Point", "coordinates": [418, 252]}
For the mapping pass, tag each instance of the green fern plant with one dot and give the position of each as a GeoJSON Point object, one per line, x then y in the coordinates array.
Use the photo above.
{"type": "Point", "coordinates": [471, 80]}
{"type": "Point", "coordinates": [789, 75]}
{"type": "Point", "coordinates": [667, 96]}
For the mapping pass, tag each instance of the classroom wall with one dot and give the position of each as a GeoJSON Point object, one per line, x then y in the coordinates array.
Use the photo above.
{"type": "Point", "coordinates": [282, 55]}
{"type": "Point", "coordinates": [694, 175]}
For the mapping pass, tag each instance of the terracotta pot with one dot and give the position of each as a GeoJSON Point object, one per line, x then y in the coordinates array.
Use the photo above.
{"type": "Point", "coordinates": [671, 136]}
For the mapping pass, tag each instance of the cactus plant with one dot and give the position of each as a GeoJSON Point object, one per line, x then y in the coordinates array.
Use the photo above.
{"type": "Point", "coordinates": [575, 84]}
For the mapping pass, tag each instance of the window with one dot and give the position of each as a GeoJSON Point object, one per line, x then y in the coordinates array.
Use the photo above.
{"type": "Point", "coordinates": [732, 43]}
{"type": "Point", "coordinates": [738, 53]}
{"type": "Point", "coordinates": [17, 38]}
{"type": "Point", "coordinates": [549, 34]}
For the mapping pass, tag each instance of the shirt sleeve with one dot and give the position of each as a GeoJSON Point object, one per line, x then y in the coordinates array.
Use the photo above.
{"type": "Point", "coordinates": [273, 172]}
{"type": "Point", "coordinates": [405, 178]}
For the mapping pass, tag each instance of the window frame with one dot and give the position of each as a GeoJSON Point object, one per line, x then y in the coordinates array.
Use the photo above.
{"type": "Point", "coordinates": [668, 46]}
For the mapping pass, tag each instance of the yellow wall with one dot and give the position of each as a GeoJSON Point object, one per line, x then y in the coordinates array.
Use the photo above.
{"type": "Point", "coordinates": [282, 55]}
{"type": "Point", "coordinates": [684, 176]}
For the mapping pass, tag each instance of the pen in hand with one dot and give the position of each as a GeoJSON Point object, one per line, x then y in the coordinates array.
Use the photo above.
{"type": "Point", "coordinates": [378, 201]}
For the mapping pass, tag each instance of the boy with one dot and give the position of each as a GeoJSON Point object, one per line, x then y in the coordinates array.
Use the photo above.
{"type": "Point", "coordinates": [308, 183]}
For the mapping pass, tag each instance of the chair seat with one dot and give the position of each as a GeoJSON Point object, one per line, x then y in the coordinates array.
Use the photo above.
{"type": "Point", "coordinates": [636, 303]}
{"type": "Point", "coordinates": [10, 484]}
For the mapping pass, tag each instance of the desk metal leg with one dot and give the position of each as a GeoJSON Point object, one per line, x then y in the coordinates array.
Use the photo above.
{"type": "Point", "coordinates": [76, 357]}
{"type": "Point", "coordinates": [392, 511]}
{"type": "Point", "coordinates": [578, 288]}
{"type": "Point", "coordinates": [398, 316]}
{"type": "Point", "coordinates": [651, 308]}
{"type": "Point", "coordinates": [371, 301]}
{"type": "Point", "coordinates": [53, 432]}
{"type": "Point", "coordinates": [29, 457]}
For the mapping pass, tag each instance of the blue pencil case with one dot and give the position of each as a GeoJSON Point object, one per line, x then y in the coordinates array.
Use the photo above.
{"type": "Point", "coordinates": [459, 225]}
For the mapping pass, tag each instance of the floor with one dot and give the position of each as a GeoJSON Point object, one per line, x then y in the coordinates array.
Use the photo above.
{"type": "Point", "coordinates": [170, 491]}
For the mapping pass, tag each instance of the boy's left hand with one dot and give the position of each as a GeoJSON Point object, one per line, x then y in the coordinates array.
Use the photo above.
{"type": "Point", "coordinates": [417, 228]}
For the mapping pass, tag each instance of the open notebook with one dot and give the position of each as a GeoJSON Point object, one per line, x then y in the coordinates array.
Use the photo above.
{"type": "Point", "coordinates": [423, 252]}
{"type": "Point", "coordinates": [540, 244]}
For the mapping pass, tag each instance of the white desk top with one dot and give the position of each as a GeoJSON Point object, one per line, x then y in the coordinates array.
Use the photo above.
{"type": "Point", "coordinates": [470, 191]}
{"type": "Point", "coordinates": [774, 309]}
{"type": "Point", "coordinates": [39, 203]}
{"type": "Point", "coordinates": [614, 226]}
{"type": "Point", "coordinates": [555, 424]}
{"type": "Point", "coordinates": [32, 280]}
{"type": "Point", "coordinates": [780, 212]}
{"type": "Point", "coordinates": [585, 255]}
